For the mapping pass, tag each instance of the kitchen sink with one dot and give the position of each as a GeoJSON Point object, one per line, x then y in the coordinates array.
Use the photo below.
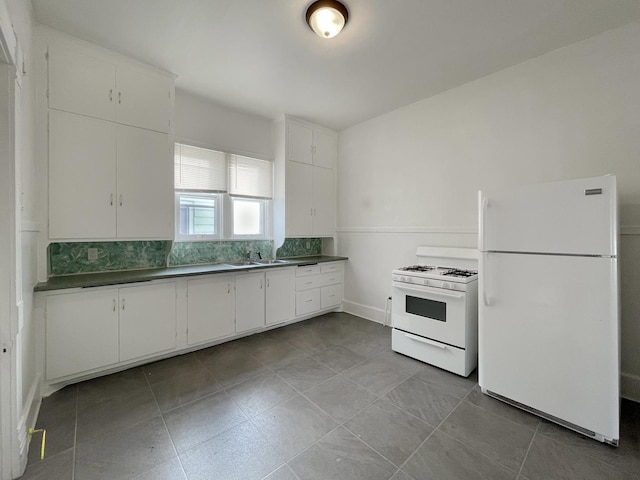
{"type": "Point", "coordinates": [271, 261]}
{"type": "Point", "coordinates": [242, 263]}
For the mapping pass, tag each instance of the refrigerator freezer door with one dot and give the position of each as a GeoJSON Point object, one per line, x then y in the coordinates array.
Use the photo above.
{"type": "Point", "coordinates": [548, 336]}
{"type": "Point", "coordinates": [577, 217]}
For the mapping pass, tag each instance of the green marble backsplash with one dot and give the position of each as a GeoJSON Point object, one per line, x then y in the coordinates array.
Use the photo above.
{"type": "Point", "coordinates": [297, 247]}
{"type": "Point", "coordinates": [193, 253]}
{"type": "Point", "coordinates": [72, 258]}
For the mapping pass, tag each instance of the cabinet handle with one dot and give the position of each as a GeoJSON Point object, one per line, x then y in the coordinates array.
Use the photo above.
{"type": "Point", "coordinates": [267, 283]}
{"type": "Point", "coordinates": [111, 199]}
{"type": "Point", "coordinates": [114, 304]}
{"type": "Point", "coordinates": [111, 95]}
{"type": "Point", "coordinates": [123, 304]}
{"type": "Point", "coordinates": [119, 97]}
{"type": "Point", "coordinates": [309, 283]}
{"type": "Point", "coordinates": [120, 199]}
{"type": "Point", "coordinates": [307, 301]}
{"type": "Point", "coordinates": [260, 284]}
{"type": "Point", "coordinates": [228, 288]}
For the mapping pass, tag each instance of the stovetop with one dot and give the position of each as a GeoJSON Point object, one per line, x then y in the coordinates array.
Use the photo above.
{"type": "Point", "coordinates": [437, 272]}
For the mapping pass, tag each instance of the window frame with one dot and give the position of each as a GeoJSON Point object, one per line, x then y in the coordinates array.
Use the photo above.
{"type": "Point", "coordinates": [219, 218]}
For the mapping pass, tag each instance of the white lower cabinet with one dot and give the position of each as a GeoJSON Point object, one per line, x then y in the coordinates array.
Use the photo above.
{"type": "Point", "coordinates": [96, 328]}
{"type": "Point", "coordinates": [249, 301]}
{"type": "Point", "coordinates": [210, 308]}
{"type": "Point", "coordinates": [318, 287]}
{"type": "Point", "coordinates": [280, 295]}
{"type": "Point", "coordinates": [82, 331]}
{"type": "Point", "coordinates": [147, 320]}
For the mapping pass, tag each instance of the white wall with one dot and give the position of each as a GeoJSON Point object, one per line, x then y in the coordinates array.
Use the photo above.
{"type": "Point", "coordinates": [411, 177]}
{"type": "Point", "coordinates": [203, 123]}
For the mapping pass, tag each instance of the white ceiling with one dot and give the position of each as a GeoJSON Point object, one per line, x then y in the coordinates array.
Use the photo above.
{"type": "Point", "coordinates": [259, 56]}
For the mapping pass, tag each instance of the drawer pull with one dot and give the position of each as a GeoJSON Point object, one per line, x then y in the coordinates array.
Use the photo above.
{"type": "Point", "coordinates": [425, 341]}
{"type": "Point", "coordinates": [307, 301]}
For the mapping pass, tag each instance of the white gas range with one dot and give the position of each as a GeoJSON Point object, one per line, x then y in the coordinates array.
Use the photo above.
{"type": "Point", "coordinates": [435, 308]}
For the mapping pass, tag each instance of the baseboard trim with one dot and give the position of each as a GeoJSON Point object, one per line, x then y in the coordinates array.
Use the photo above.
{"type": "Point", "coordinates": [28, 419]}
{"type": "Point", "coordinates": [630, 386]}
{"type": "Point", "coordinates": [463, 230]}
{"type": "Point", "coordinates": [369, 313]}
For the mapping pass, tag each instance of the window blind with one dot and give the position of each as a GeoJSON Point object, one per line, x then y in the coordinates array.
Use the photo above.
{"type": "Point", "coordinates": [200, 169]}
{"type": "Point", "coordinates": [250, 177]}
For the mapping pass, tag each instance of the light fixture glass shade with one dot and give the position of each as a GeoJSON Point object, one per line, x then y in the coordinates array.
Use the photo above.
{"type": "Point", "coordinates": [326, 22]}
{"type": "Point", "coordinates": [327, 17]}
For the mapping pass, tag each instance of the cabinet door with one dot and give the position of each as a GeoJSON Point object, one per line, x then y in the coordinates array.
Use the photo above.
{"type": "Point", "coordinates": [280, 295]}
{"type": "Point", "coordinates": [147, 320]}
{"type": "Point", "coordinates": [145, 184]}
{"type": "Point", "coordinates": [210, 308]}
{"type": "Point", "coordinates": [81, 83]}
{"type": "Point", "coordinates": [324, 149]}
{"type": "Point", "coordinates": [299, 182]}
{"type": "Point", "coordinates": [307, 301]}
{"type": "Point", "coordinates": [82, 177]}
{"type": "Point", "coordinates": [299, 143]}
{"type": "Point", "coordinates": [324, 218]}
{"type": "Point", "coordinates": [81, 331]}
{"type": "Point", "coordinates": [249, 301]}
{"type": "Point", "coordinates": [144, 99]}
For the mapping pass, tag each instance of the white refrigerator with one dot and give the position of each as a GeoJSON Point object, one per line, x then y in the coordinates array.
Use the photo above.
{"type": "Point", "coordinates": [548, 321]}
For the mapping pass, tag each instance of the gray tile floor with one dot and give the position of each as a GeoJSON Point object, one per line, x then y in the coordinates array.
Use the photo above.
{"type": "Point", "coordinates": [322, 399]}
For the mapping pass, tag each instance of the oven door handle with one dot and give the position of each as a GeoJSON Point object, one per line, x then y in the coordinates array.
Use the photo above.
{"type": "Point", "coordinates": [424, 340]}
{"type": "Point", "coordinates": [403, 286]}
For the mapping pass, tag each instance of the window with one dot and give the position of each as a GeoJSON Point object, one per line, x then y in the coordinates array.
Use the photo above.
{"type": "Point", "coordinates": [209, 182]}
{"type": "Point", "coordinates": [251, 190]}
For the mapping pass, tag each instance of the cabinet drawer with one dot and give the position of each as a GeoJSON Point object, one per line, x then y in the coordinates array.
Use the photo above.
{"type": "Point", "coordinates": [331, 267]}
{"type": "Point", "coordinates": [307, 270]}
{"type": "Point", "coordinates": [307, 301]}
{"type": "Point", "coordinates": [306, 283]}
{"type": "Point", "coordinates": [330, 296]}
{"type": "Point", "coordinates": [331, 278]}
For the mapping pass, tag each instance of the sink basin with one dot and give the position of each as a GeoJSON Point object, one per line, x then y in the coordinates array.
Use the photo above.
{"type": "Point", "coordinates": [271, 261]}
{"type": "Point", "coordinates": [242, 263]}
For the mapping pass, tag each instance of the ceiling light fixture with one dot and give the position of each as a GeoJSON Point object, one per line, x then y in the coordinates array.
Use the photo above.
{"type": "Point", "coordinates": [327, 17]}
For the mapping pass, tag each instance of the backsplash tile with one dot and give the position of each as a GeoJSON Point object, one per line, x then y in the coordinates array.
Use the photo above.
{"type": "Point", "coordinates": [193, 253]}
{"type": "Point", "coordinates": [70, 258]}
{"type": "Point", "coordinates": [297, 247]}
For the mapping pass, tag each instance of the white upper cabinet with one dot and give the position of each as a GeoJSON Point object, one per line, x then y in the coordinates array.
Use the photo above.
{"type": "Point", "coordinates": [82, 83]}
{"type": "Point", "coordinates": [299, 143]}
{"type": "Point", "coordinates": [144, 99]}
{"type": "Point", "coordinates": [145, 184]}
{"type": "Point", "coordinates": [299, 210]}
{"type": "Point", "coordinates": [309, 155]}
{"type": "Point", "coordinates": [82, 177]}
{"type": "Point", "coordinates": [325, 147]}
{"type": "Point", "coordinates": [324, 202]}
{"type": "Point", "coordinates": [307, 143]}
{"type": "Point", "coordinates": [100, 86]}
{"type": "Point", "coordinates": [107, 180]}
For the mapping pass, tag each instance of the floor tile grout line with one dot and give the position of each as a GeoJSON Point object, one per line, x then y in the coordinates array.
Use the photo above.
{"type": "Point", "coordinates": [524, 459]}
{"type": "Point", "coordinates": [434, 430]}
{"type": "Point", "coordinates": [166, 429]}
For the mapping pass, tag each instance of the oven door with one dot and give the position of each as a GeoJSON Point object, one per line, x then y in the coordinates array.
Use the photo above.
{"type": "Point", "coordinates": [434, 313]}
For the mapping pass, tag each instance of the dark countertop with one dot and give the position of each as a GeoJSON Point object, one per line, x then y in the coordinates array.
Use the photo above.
{"type": "Point", "coordinates": [85, 280]}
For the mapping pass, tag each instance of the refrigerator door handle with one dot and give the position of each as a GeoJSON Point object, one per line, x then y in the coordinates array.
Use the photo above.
{"type": "Point", "coordinates": [483, 205]}
{"type": "Point", "coordinates": [483, 273]}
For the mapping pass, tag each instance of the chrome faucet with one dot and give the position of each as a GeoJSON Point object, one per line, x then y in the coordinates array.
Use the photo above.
{"type": "Point", "coordinates": [259, 254]}
{"type": "Point", "coordinates": [248, 255]}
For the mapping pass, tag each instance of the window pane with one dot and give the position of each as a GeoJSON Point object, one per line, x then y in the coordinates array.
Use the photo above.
{"type": "Point", "coordinates": [197, 215]}
{"type": "Point", "coordinates": [247, 217]}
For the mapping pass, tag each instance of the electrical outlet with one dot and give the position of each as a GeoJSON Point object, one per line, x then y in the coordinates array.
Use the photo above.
{"type": "Point", "coordinates": [92, 254]}
{"type": "Point", "coordinates": [308, 245]}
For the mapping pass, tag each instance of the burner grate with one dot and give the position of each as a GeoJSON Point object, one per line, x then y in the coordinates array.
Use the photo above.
{"type": "Point", "coordinates": [418, 268]}
{"type": "Point", "coordinates": [460, 273]}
